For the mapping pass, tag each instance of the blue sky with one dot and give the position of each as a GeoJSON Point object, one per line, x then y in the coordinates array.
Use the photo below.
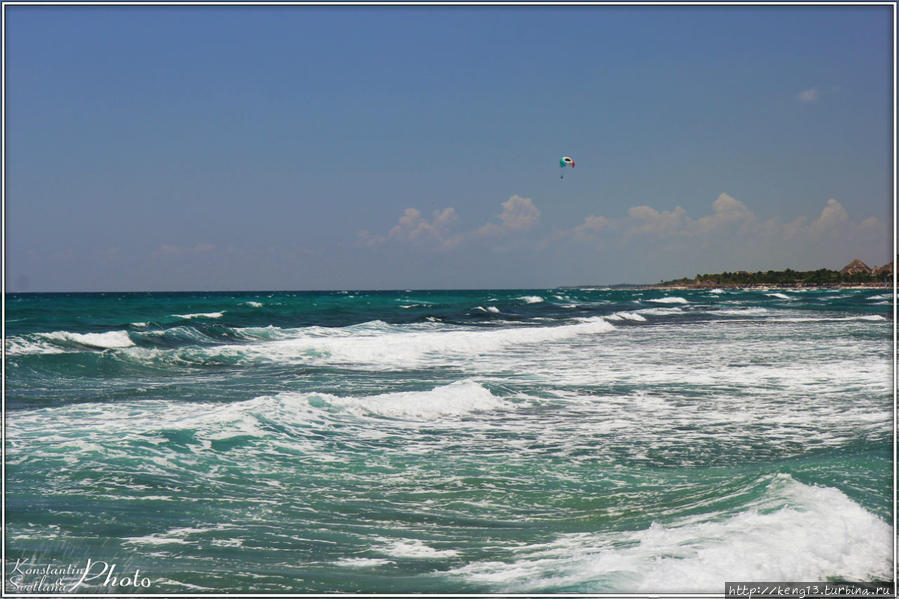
{"type": "Point", "coordinates": [226, 148]}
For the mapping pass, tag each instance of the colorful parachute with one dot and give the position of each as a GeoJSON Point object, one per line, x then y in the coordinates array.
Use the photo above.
{"type": "Point", "coordinates": [565, 161]}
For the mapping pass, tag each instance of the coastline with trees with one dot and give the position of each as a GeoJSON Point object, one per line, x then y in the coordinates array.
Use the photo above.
{"type": "Point", "coordinates": [854, 274]}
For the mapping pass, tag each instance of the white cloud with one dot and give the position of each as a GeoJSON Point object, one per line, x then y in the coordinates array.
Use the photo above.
{"type": "Point", "coordinates": [729, 230]}
{"type": "Point", "coordinates": [833, 220]}
{"type": "Point", "coordinates": [412, 226]}
{"type": "Point", "coordinates": [653, 221]}
{"type": "Point", "coordinates": [808, 95]}
{"type": "Point", "coordinates": [871, 224]}
{"type": "Point", "coordinates": [591, 224]}
{"type": "Point", "coordinates": [168, 249]}
{"type": "Point", "coordinates": [727, 211]}
{"type": "Point", "coordinates": [369, 239]}
{"type": "Point", "coordinates": [776, 228]}
{"type": "Point", "coordinates": [730, 236]}
{"type": "Point", "coordinates": [588, 230]}
{"type": "Point", "coordinates": [519, 214]}
{"type": "Point", "coordinates": [733, 217]}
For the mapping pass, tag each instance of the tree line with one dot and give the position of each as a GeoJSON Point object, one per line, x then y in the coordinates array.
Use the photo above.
{"type": "Point", "coordinates": [822, 277]}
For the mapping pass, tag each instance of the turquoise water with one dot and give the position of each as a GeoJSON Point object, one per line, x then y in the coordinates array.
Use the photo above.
{"type": "Point", "coordinates": [526, 441]}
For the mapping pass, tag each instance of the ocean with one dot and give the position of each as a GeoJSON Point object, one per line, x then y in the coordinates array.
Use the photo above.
{"type": "Point", "coordinates": [581, 440]}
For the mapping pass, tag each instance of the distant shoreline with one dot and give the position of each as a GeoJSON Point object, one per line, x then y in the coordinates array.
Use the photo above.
{"type": "Point", "coordinates": [770, 287]}
{"type": "Point", "coordinates": [855, 275]}
{"type": "Point", "coordinates": [703, 287]}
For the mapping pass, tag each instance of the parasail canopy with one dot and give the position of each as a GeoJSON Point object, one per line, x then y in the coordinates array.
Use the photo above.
{"type": "Point", "coordinates": [565, 161]}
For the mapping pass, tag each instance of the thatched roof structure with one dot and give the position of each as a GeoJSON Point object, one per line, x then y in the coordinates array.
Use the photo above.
{"type": "Point", "coordinates": [854, 267]}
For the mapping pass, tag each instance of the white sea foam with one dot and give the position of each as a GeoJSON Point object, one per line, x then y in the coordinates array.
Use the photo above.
{"type": "Point", "coordinates": [109, 340]}
{"type": "Point", "coordinates": [531, 299]}
{"type": "Point", "coordinates": [742, 312]}
{"type": "Point", "coordinates": [795, 532]}
{"type": "Point", "coordinates": [669, 300]}
{"type": "Point", "coordinates": [626, 316]}
{"type": "Point", "coordinates": [660, 311]}
{"type": "Point", "coordinates": [869, 317]}
{"type": "Point", "coordinates": [175, 536]}
{"type": "Point", "coordinates": [269, 332]}
{"type": "Point", "coordinates": [415, 549]}
{"type": "Point", "coordinates": [779, 296]}
{"type": "Point", "coordinates": [178, 583]}
{"type": "Point", "coordinates": [210, 422]}
{"type": "Point", "coordinates": [59, 342]}
{"type": "Point", "coordinates": [200, 315]}
{"type": "Point", "coordinates": [455, 399]}
{"type": "Point", "coordinates": [227, 542]}
{"type": "Point", "coordinates": [362, 562]}
{"type": "Point", "coordinates": [399, 346]}
{"type": "Point", "coordinates": [252, 304]}
{"type": "Point", "coordinates": [25, 345]}
{"type": "Point", "coordinates": [491, 309]}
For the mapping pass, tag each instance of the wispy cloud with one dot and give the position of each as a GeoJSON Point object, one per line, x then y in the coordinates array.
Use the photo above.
{"type": "Point", "coordinates": [650, 220]}
{"type": "Point", "coordinates": [414, 228]}
{"type": "Point", "coordinates": [808, 95]}
{"type": "Point", "coordinates": [833, 220]}
{"type": "Point", "coordinates": [591, 225]}
{"type": "Point", "coordinates": [168, 249]}
{"type": "Point", "coordinates": [592, 229]}
{"type": "Point", "coordinates": [727, 211]}
{"type": "Point", "coordinates": [733, 216]}
{"type": "Point", "coordinates": [729, 231]}
{"type": "Point", "coordinates": [519, 214]}
{"type": "Point", "coordinates": [644, 220]}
